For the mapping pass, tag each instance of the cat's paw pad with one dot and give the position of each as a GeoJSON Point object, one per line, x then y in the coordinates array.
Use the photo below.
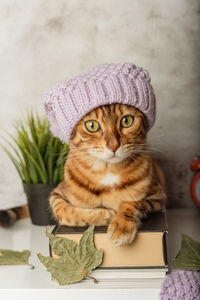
{"type": "Point", "coordinates": [122, 232]}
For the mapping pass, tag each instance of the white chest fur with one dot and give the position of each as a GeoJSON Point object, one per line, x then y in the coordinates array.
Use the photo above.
{"type": "Point", "coordinates": [110, 179]}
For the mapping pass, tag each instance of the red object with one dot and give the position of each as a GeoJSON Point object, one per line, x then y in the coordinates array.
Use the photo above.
{"type": "Point", "coordinates": [195, 167]}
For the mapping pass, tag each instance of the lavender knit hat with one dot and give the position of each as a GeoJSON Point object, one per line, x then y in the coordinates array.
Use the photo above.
{"type": "Point", "coordinates": [181, 285]}
{"type": "Point", "coordinates": [70, 100]}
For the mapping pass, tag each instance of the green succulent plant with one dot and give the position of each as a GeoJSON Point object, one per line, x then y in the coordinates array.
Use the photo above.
{"type": "Point", "coordinates": [38, 156]}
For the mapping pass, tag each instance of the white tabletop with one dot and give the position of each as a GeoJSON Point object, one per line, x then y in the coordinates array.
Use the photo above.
{"type": "Point", "coordinates": [22, 281]}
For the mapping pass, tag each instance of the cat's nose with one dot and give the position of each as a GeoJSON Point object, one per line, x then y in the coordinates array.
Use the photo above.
{"type": "Point", "coordinates": [113, 147]}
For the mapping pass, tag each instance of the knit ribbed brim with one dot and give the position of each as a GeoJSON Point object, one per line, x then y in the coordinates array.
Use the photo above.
{"type": "Point", "coordinates": [68, 102]}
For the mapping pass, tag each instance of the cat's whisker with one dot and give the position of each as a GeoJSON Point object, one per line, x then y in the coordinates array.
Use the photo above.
{"type": "Point", "coordinates": [72, 156]}
{"type": "Point", "coordinates": [91, 150]}
{"type": "Point", "coordinates": [77, 150]}
{"type": "Point", "coordinates": [137, 148]}
{"type": "Point", "coordinates": [155, 155]}
{"type": "Point", "coordinates": [78, 155]}
{"type": "Point", "coordinates": [84, 149]}
{"type": "Point", "coordinates": [153, 150]}
{"type": "Point", "coordinates": [82, 154]}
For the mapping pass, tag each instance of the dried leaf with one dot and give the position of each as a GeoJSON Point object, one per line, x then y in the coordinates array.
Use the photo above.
{"type": "Point", "coordinates": [188, 257]}
{"type": "Point", "coordinates": [11, 257]}
{"type": "Point", "coordinates": [76, 261]}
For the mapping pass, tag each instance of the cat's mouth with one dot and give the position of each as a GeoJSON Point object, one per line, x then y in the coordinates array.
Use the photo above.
{"type": "Point", "coordinates": [115, 158]}
{"type": "Point", "coordinates": [109, 156]}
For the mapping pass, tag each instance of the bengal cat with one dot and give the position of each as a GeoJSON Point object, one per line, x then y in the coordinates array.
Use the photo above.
{"type": "Point", "coordinates": [109, 176]}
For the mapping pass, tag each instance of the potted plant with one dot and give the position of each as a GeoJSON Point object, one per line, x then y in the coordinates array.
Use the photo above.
{"type": "Point", "coordinates": [39, 158]}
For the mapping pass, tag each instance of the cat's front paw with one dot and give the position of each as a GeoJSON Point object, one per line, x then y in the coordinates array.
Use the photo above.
{"type": "Point", "coordinates": [122, 232]}
{"type": "Point", "coordinates": [101, 216]}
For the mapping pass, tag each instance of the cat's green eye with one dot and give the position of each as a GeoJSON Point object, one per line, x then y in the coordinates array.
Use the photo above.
{"type": "Point", "coordinates": [127, 121]}
{"type": "Point", "coordinates": [92, 126]}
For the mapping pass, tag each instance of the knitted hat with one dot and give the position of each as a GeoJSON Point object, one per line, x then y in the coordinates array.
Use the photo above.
{"type": "Point", "coordinates": [181, 285]}
{"type": "Point", "coordinates": [70, 100]}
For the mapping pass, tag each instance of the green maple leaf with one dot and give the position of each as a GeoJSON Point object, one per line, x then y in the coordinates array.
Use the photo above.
{"type": "Point", "coordinates": [11, 257]}
{"type": "Point", "coordinates": [188, 257]}
{"type": "Point", "coordinates": [76, 261]}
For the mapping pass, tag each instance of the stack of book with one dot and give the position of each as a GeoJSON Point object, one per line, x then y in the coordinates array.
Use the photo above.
{"type": "Point", "coordinates": [145, 259]}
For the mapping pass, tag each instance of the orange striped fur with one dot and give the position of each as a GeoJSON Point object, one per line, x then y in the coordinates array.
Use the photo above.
{"type": "Point", "coordinates": [110, 176]}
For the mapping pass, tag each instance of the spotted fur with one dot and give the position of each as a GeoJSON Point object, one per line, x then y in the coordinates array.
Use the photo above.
{"type": "Point", "coordinates": [135, 183]}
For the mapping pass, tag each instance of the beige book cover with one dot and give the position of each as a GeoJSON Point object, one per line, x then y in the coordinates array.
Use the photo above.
{"type": "Point", "coordinates": [147, 251]}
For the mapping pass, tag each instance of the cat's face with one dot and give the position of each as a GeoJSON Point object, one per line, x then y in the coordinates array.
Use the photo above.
{"type": "Point", "coordinates": [110, 133]}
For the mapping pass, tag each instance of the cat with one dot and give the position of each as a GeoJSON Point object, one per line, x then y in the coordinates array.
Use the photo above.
{"type": "Point", "coordinates": [110, 177]}
{"type": "Point", "coordinates": [9, 216]}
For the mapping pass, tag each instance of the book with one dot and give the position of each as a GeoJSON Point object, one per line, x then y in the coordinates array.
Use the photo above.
{"type": "Point", "coordinates": [146, 257]}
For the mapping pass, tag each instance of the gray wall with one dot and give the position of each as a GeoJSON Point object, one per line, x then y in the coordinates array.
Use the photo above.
{"type": "Point", "coordinates": [44, 42]}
